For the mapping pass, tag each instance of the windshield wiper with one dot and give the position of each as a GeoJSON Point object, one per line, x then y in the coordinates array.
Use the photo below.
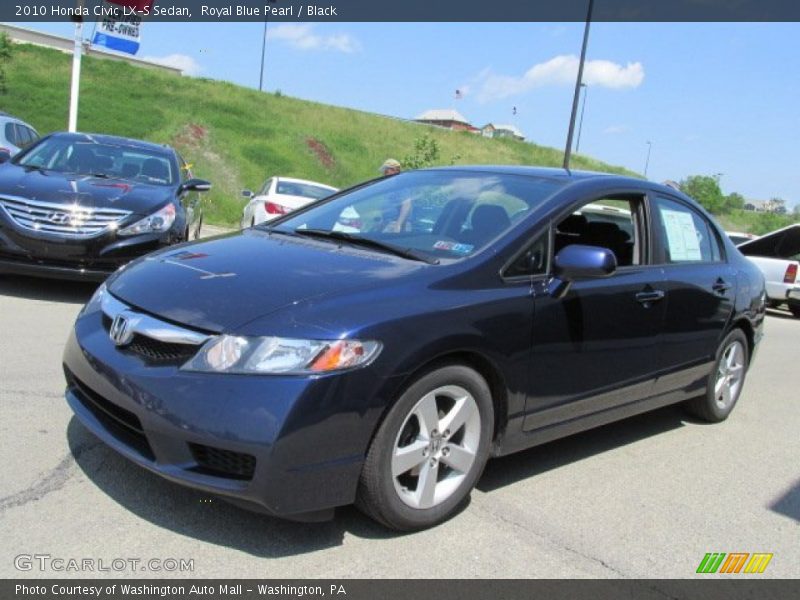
{"type": "Point", "coordinates": [356, 240]}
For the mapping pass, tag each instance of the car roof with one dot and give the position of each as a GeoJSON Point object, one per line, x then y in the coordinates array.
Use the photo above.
{"type": "Point", "coordinates": [114, 140]}
{"type": "Point", "coordinates": [315, 183]}
{"type": "Point", "coordinates": [549, 172]}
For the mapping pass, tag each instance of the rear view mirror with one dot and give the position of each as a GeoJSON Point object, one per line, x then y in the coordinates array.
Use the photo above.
{"type": "Point", "coordinates": [247, 194]}
{"type": "Point", "coordinates": [578, 262]}
{"type": "Point", "coordinates": [196, 185]}
{"type": "Point", "coordinates": [5, 155]}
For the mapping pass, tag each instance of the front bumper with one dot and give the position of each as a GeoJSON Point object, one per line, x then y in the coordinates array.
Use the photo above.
{"type": "Point", "coordinates": [27, 252]}
{"type": "Point", "coordinates": [286, 445]}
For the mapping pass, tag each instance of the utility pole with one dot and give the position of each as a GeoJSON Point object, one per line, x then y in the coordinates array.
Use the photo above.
{"type": "Point", "coordinates": [580, 123]}
{"type": "Point", "coordinates": [75, 87]}
{"type": "Point", "coordinates": [263, 52]}
{"type": "Point", "coordinates": [578, 81]}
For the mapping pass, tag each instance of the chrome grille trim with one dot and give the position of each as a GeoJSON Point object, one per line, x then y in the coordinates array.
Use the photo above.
{"type": "Point", "coordinates": [50, 217]}
{"type": "Point", "coordinates": [151, 327]}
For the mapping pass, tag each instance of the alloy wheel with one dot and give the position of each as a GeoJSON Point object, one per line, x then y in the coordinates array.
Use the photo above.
{"type": "Point", "coordinates": [436, 447]}
{"type": "Point", "coordinates": [730, 374]}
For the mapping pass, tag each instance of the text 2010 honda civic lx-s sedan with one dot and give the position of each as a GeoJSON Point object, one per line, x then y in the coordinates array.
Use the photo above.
{"type": "Point", "coordinates": [295, 367]}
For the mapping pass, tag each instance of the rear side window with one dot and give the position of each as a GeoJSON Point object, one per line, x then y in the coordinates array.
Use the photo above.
{"type": "Point", "coordinates": [24, 138]}
{"type": "Point", "coordinates": [686, 236]}
{"type": "Point", "coordinates": [11, 133]}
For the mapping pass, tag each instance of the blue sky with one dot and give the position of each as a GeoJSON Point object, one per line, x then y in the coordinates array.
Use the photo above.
{"type": "Point", "coordinates": [712, 98]}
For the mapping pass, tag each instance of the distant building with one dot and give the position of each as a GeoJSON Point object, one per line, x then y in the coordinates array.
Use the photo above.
{"type": "Point", "coordinates": [775, 205]}
{"type": "Point", "coordinates": [492, 130]}
{"type": "Point", "coordinates": [447, 118]}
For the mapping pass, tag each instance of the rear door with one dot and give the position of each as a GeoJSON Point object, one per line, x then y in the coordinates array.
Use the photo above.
{"type": "Point", "coordinates": [700, 286]}
{"type": "Point", "coordinates": [598, 347]}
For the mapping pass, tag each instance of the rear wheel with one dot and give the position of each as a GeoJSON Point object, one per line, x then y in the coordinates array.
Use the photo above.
{"type": "Point", "coordinates": [725, 381]}
{"type": "Point", "coordinates": [429, 451]}
{"type": "Point", "coordinates": [795, 308]}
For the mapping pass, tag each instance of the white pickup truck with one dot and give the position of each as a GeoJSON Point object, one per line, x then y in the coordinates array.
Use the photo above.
{"type": "Point", "coordinates": [777, 254]}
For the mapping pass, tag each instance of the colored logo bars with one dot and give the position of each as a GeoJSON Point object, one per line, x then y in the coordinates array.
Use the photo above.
{"type": "Point", "coordinates": [719, 562]}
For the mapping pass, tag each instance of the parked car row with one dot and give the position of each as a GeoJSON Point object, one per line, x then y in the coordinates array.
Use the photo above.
{"type": "Point", "coordinates": [375, 345]}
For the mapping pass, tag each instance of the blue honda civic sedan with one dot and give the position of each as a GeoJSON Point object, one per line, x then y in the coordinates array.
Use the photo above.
{"type": "Point", "coordinates": [348, 354]}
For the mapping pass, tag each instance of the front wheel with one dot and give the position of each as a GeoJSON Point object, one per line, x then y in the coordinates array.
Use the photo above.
{"type": "Point", "coordinates": [429, 451]}
{"type": "Point", "coordinates": [795, 308]}
{"type": "Point", "coordinates": [725, 381]}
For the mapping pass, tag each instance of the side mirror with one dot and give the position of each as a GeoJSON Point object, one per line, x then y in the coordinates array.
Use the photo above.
{"type": "Point", "coordinates": [5, 155]}
{"type": "Point", "coordinates": [578, 262]}
{"type": "Point", "coordinates": [196, 185]}
{"type": "Point", "coordinates": [247, 194]}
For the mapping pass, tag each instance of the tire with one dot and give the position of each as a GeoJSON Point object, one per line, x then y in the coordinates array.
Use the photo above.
{"type": "Point", "coordinates": [413, 436]}
{"type": "Point", "coordinates": [725, 381]}
{"type": "Point", "coordinates": [773, 303]}
{"type": "Point", "coordinates": [795, 308]}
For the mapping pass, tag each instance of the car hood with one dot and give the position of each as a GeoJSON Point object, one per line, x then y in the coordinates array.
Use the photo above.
{"type": "Point", "coordinates": [782, 243]}
{"type": "Point", "coordinates": [91, 192]}
{"type": "Point", "coordinates": [223, 283]}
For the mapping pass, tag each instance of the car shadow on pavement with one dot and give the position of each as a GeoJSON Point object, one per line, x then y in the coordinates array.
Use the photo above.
{"type": "Point", "coordinates": [789, 503]}
{"type": "Point", "coordinates": [197, 515]}
{"type": "Point", "coordinates": [780, 314]}
{"type": "Point", "coordinates": [510, 469]}
{"type": "Point", "coordinates": [52, 290]}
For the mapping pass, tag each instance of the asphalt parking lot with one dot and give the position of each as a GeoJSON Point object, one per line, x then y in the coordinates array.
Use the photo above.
{"type": "Point", "coordinates": [647, 497]}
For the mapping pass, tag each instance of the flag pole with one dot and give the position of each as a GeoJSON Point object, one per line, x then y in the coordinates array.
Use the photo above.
{"type": "Point", "coordinates": [76, 71]}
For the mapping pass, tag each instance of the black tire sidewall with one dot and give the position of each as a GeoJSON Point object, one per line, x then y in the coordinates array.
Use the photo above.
{"type": "Point", "coordinates": [393, 510]}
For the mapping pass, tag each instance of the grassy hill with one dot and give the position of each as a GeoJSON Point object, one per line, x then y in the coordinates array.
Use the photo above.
{"type": "Point", "coordinates": [237, 137]}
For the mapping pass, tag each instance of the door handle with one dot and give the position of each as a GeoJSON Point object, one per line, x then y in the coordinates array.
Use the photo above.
{"type": "Point", "coordinates": [721, 286]}
{"type": "Point", "coordinates": [650, 296]}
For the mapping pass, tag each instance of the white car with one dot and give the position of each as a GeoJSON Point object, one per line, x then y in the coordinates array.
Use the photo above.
{"type": "Point", "coordinates": [777, 254]}
{"type": "Point", "coordinates": [279, 196]}
{"type": "Point", "coordinates": [15, 135]}
{"type": "Point", "coordinates": [739, 237]}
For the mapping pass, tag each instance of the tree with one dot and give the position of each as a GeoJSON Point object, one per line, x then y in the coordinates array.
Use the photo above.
{"type": "Point", "coordinates": [5, 57]}
{"type": "Point", "coordinates": [796, 212]}
{"type": "Point", "coordinates": [778, 206]}
{"type": "Point", "coordinates": [705, 189]}
{"type": "Point", "coordinates": [734, 201]}
{"type": "Point", "coordinates": [426, 153]}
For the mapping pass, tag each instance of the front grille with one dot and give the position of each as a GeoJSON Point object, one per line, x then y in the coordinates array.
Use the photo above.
{"type": "Point", "coordinates": [72, 220]}
{"type": "Point", "coordinates": [121, 423]}
{"type": "Point", "coordinates": [160, 352]}
{"type": "Point", "coordinates": [223, 463]}
{"type": "Point", "coordinates": [155, 351]}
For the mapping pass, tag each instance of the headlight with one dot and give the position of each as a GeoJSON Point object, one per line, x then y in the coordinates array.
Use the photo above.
{"type": "Point", "coordinates": [95, 302]}
{"type": "Point", "coordinates": [272, 355]}
{"type": "Point", "coordinates": [160, 220]}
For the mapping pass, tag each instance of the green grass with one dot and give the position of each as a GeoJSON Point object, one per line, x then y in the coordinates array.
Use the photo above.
{"type": "Point", "coordinates": [237, 137]}
{"type": "Point", "coordinates": [757, 223]}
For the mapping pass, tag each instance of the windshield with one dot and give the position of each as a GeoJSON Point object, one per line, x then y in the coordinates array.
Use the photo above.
{"type": "Point", "coordinates": [304, 190]}
{"type": "Point", "coordinates": [439, 214]}
{"type": "Point", "coordinates": [84, 156]}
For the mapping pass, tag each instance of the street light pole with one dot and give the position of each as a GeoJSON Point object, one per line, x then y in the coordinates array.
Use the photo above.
{"type": "Point", "coordinates": [580, 123]}
{"type": "Point", "coordinates": [263, 52]}
{"type": "Point", "coordinates": [578, 81]}
{"type": "Point", "coordinates": [647, 160]}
